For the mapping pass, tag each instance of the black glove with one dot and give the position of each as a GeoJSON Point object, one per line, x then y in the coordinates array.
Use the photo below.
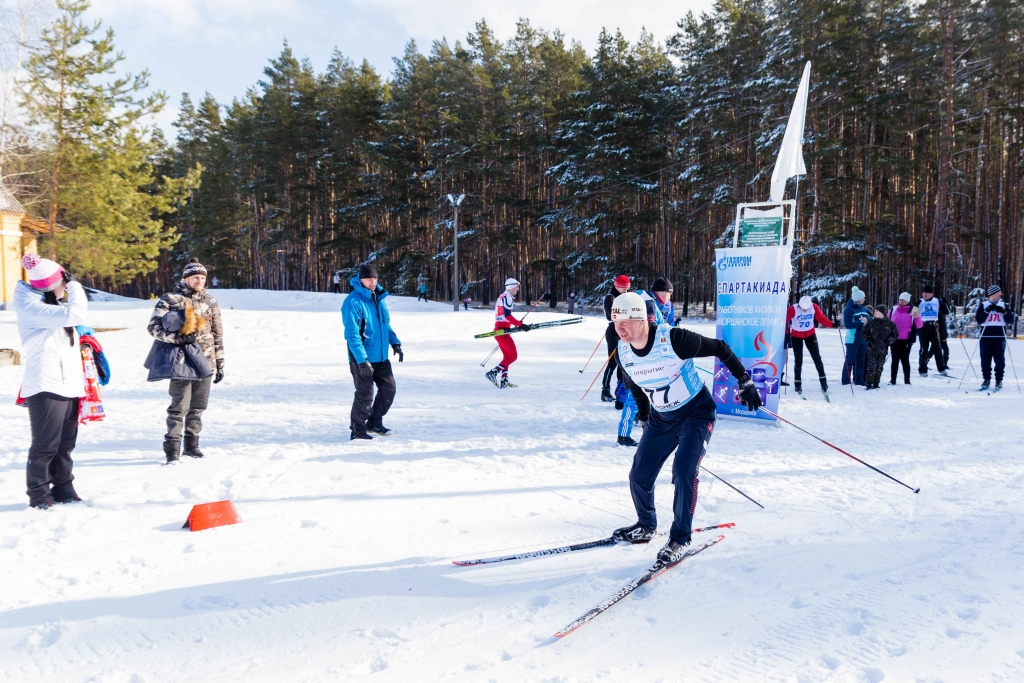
{"type": "Point", "coordinates": [67, 277]}
{"type": "Point", "coordinates": [219, 376]}
{"type": "Point", "coordinates": [365, 370]}
{"type": "Point", "coordinates": [187, 339]}
{"type": "Point", "coordinates": [642, 423]}
{"type": "Point", "coordinates": [525, 328]}
{"type": "Point", "coordinates": [397, 348]}
{"type": "Point", "coordinates": [749, 396]}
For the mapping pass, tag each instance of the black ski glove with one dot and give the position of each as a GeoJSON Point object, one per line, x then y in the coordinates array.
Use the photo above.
{"type": "Point", "coordinates": [525, 328]}
{"type": "Point", "coordinates": [365, 370]}
{"type": "Point", "coordinates": [397, 348]}
{"type": "Point", "coordinates": [219, 377]}
{"type": "Point", "coordinates": [187, 339]}
{"type": "Point", "coordinates": [749, 396]}
{"type": "Point", "coordinates": [642, 423]}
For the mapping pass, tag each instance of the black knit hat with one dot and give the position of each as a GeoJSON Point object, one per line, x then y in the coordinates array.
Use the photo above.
{"type": "Point", "coordinates": [994, 289]}
{"type": "Point", "coordinates": [928, 289]}
{"type": "Point", "coordinates": [366, 270]}
{"type": "Point", "coordinates": [193, 267]}
{"type": "Point", "coordinates": [661, 285]}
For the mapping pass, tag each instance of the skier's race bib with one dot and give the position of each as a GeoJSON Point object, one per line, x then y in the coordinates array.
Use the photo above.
{"type": "Point", "coordinates": [668, 380]}
{"type": "Point", "coordinates": [803, 321]}
{"type": "Point", "coordinates": [503, 306]}
{"type": "Point", "coordinates": [929, 310]}
{"type": "Point", "coordinates": [994, 319]}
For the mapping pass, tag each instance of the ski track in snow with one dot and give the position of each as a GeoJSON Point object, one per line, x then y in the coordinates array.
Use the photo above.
{"type": "Point", "coordinates": [341, 569]}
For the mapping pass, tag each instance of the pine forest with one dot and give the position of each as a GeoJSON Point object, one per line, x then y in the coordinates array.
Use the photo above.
{"type": "Point", "coordinates": [630, 158]}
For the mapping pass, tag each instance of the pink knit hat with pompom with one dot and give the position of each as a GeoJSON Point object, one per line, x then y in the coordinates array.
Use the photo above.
{"type": "Point", "coordinates": [43, 274]}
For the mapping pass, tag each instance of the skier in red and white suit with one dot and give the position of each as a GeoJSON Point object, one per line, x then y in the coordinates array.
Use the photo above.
{"type": "Point", "coordinates": [800, 319]}
{"type": "Point", "coordinates": [504, 320]}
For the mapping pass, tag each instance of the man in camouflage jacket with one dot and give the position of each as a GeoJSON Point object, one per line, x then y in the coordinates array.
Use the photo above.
{"type": "Point", "coordinates": [198, 314]}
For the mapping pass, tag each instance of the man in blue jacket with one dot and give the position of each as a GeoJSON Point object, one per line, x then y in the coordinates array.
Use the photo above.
{"type": "Point", "coordinates": [368, 334]}
{"type": "Point", "coordinates": [855, 315]}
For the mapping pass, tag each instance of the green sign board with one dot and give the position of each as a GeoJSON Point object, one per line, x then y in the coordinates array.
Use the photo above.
{"type": "Point", "coordinates": [760, 232]}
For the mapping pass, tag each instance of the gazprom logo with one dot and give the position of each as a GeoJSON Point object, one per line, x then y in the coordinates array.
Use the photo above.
{"type": "Point", "coordinates": [727, 262]}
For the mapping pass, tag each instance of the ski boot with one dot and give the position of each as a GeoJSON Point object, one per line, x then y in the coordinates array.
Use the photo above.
{"type": "Point", "coordinates": [627, 441]}
{"type": "Point", "coordinates": [984, 386]}
{"type": "Point", "coordinates": [798, 388]}
{"type": "Point", "coordinates": [672, 552]}
{"type": "Point", "coordinates": [923, 374]}
{"type": "Point", "coordinates": [360, 437]}
{"type": "Point", "coordinates": [191, 448]}
{"type": "Point", "coordinates": [505, 384]}
{"type": "Point", "coordinates": [999, 387]}
{"type": "Point", "coordinates": [824, 389]}
{"type": "Point", "coordinates": [634, 534]}
{"type": "Point", "coordinates": [171, 450]}
{"type": "Point", "coordinates": [380, 429]}
{"type": "Point", "coordinates": [492, 376]}
{"type": "Point", "coordinates": [943, 373]}
{"type": "Point", "coordinates": [606, 396]}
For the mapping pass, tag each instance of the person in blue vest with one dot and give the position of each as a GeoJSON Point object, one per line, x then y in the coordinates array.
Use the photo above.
{"type": "Point", "coordinates": [933, 316]}
{"type": "Point", "coordinates": [993, 316]}
{"type": "Point", "coordinates": [368, 334]}
{"type": "Point", "coordinates": [676, 411]}
{"type": "Point", "coordinates": [662, 291]}
{"type": "Point", "coordinates": [855, 316]}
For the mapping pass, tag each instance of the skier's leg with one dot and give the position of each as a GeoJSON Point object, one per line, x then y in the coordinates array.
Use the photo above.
{"type": "Point", "coordinates": [798, 361]}
{"type": "Point", "coordinates": [656, 444]}
{"type": "Point", "coordinates": [692, 441]}
{"type": "Point", "coordinates": [181, 396]}
{"type": "Point", "coordinates": [626, 419]}
{"type": "Point", "coordinates": [848, 365]}
{"type": "Point", "coordinates": [999, 352]}
{"type": "Point", "coordinates": [985, 357]}
{"type": "Point", "coordinates": [361, 401]}
{"type": "Point", "coordinates": [61, 465]}
{"type": "Point", "coordinates": [384, 378]}
{"type": "Point", "coordinates": [812, 348]}
{"type": "Point", "coordinates": [611, 339]}
{"type": "Point", "coordinates": [508, 352]}
{"type": "Point", "coordinates": [198, 403]}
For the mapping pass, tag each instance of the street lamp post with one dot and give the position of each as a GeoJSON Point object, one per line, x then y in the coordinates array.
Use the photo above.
{"type": "Point", "coordinates": [455, 202]}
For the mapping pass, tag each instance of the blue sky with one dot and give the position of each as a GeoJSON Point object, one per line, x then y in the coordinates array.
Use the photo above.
{"type": "Point", "coordinates": [222, 46]}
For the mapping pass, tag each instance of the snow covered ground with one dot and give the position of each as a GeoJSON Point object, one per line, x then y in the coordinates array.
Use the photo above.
{"type": "Point", "coordinates": [342, 567]}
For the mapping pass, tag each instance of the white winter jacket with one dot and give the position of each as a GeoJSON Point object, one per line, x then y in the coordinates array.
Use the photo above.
{"type": "Point", "coordinates": [52, 362]}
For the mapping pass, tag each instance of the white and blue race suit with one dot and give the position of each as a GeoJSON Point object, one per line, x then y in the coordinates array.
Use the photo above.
{"type": "Point", "coordinates": [679, 414]}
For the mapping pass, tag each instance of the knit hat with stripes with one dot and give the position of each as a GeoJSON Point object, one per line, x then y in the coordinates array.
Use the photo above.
{"type": "Point", "coordinates": [43, 274]}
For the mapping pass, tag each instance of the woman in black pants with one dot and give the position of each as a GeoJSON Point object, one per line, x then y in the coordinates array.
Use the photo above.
{"type": "Point", "coordinates": [54, 379]}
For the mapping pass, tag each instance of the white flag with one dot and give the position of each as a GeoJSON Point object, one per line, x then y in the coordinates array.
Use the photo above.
{"type": "Point", "coordinates": [791, 156]}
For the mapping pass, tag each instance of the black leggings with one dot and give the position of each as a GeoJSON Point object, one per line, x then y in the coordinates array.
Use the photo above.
{"type": "Point", "coordinates": [901, 356]}
{"type": "Point", "coordinates": [798, 358]}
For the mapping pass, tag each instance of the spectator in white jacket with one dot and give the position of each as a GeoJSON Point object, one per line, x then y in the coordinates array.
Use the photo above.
{"type": "Point", "coordinates": [54, 379]}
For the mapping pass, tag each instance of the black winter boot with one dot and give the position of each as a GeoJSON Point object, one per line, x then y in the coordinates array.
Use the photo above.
{"type": "Point", "coordinates": [627, 441]}
{"type": "Point", "coordinates": [171, 449]}
{"type": "Point", "coordinates": [192, 447]}
{"type": "Point", "coordinates": [634, 534]}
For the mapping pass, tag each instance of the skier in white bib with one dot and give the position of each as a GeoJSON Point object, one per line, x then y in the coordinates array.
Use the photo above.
{"type": "Point", "coordinates": [933, 314]}
{"type": "Point", "coordinates": [676, 411]}
{"type": "Point", "coordinates": [993, 316]}
{"type": "Point", "coordinates": [801, 318]}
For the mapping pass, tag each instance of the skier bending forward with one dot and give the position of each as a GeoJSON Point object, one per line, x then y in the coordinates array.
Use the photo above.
{"type": "Point", "coordinates": [676, 411]}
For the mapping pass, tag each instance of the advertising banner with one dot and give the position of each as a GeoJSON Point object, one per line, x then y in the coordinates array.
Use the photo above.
{"type": "Point", "coordinates": [753, 293]}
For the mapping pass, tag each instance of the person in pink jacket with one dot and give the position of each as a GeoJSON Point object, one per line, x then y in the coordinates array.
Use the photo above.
{"type": "Point", "coordinates": [907, 319]}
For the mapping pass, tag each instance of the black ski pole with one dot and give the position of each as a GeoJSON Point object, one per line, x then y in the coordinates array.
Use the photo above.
{"type": "Point", "coordinates": [732, 487]}
{"type": "Point", "coordinates": [970, 360]}
{"type": "Point", "coordinates": [1013, 366]}
{"type": "Point", "coordinates": [854, 457]}
{"type": "Point", "coordinates": [969, 355]}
